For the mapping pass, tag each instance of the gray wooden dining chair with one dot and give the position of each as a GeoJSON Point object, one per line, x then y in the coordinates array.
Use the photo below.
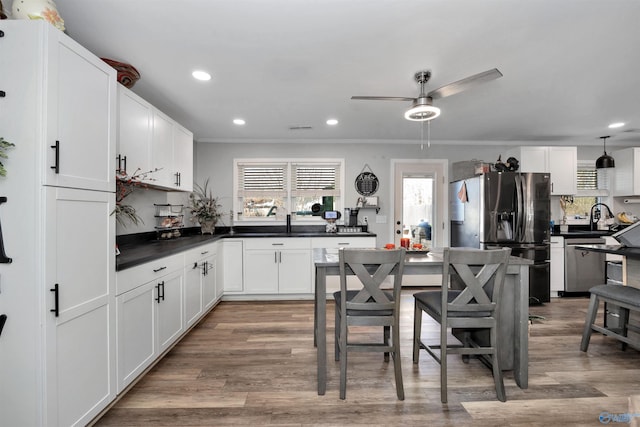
{"type": "Point", "coordinates": [479, 275]}
{"type": "Point", "coordinates": [369, 306]}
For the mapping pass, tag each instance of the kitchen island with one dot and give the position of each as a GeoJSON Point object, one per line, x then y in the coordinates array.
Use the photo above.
{"type": "Point", "coordinates": [513, 328]}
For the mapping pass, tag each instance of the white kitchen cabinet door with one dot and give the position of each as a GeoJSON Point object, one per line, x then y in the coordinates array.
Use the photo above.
{"type": "Point", "coordinates": [183, 158]}
{"type": "Point", "coordinates": [193, 291]}
{"type": "Point", "coordinates": [134, 132]}
{"type": "Point", "coordinates": [80, 321]}
{"type": "Point", "coordinates": [81, 109]}
{"type": "Point", "coordinates": [261, 271]}
{"type": "Point", "coordinates": [294, 274]}
{"type": "Point", "coordinates": [162, 150]}
{"type": "Point", "coordinates": [211, 290]}
{"type": "Point", "coordinates": [136, 332]}
{"type": "Point", "coordinates": [563, 167]}
{"type": "Point", "coordinates": [533, 159]}
{"type": "Point", "coordinates": [170, 309]}
{"type": "Point", "coordinates": [560, 162]}
{"type": "Point", "coordinates": [627, 172]}
{"type": "Point", "coordinates": [230, 265]}
{"type": "Point", "coordinates": [556, 266]}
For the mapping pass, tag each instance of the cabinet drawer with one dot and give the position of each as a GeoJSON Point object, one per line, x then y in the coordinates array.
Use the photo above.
{"type": "Point", "coordinates": [131, 278]}
{"type": "Point", "coordinates": [278, 243]}
{"type": "Point", "coordinates": [199, 253]}
{"type": "Point", "coordinates": [343, 242]}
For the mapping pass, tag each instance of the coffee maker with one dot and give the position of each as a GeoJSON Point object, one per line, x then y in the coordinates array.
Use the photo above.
{"type": "Point", "coordinates": [350, 217]}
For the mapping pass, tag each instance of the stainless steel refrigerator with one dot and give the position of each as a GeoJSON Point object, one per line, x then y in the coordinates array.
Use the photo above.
{"type": "Point", "coordinates": [506, 209]}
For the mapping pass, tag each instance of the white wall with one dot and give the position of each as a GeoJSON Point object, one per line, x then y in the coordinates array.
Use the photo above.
{"type": "Point", "coordinates": [215, 161]}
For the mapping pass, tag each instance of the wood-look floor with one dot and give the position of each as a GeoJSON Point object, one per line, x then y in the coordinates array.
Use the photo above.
{"type": "Point", "coordinates": [255, 364]}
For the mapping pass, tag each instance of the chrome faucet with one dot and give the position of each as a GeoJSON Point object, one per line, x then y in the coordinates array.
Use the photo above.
{"type": "Point", "coordinates": [596, 210]}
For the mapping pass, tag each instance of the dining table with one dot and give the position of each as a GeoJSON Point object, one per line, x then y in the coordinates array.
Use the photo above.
{"type": "Point", "coordinates": [514, 308]}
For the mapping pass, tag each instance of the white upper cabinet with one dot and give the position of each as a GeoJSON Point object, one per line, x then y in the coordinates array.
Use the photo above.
{"type": "Point", "coordinates": [148, 140]}
{"type": "Point", "coordinates": [627, 177]}
{"type": "Point", "coordinates": [134, 132]}
{"type": "Point", "coordinates": [182, 158]}
{"type": "Point", "coordinates": [162, 149]}
{"type": "Point", "coordinates": [560, 162]}
{"type": "Point", "coordinates": [81, 108]}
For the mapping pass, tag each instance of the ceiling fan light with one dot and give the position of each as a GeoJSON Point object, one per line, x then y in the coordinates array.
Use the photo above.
{"type": "Point", "coordinates": [422, 113]}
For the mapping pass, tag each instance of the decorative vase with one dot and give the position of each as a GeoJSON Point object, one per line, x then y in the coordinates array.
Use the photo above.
{"type": "Point", "coordinates": [38, 9]}
{"type": "Point", "coordinates": [207, 226]}
{"type": "Point", "coordinates": [127, 73]}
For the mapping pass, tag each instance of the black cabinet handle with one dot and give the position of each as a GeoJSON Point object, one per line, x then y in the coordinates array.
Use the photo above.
{"type": "Point", "coordinates": [56, 300]}
{"type": "Point", "coordinates": [159, 269]}
{"type": "Point", "coordinates": [3, 319]}
{"type": "Point", "coordinates": [160, 290]}
{"type": "Point", "coordinates": [122, 160]}
{"type": "Point", "coordinates": [205, 271]}
{"type": "Point", "coordinates": [177, 174]}
{"type": "Point", "coordinates": [56, 166]}
{"type": "Point", "coordinates": [4, 259]}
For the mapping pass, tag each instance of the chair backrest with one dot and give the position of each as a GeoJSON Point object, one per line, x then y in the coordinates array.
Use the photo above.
{"type": "Point", "coordinates": [480, 276]}
{"type": "Point", "coordinates": [371, 267]}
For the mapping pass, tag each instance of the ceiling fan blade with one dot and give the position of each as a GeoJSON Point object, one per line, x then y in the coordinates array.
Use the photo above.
{"type": "Point", "coordinates": [464, 84]}
{"type": "Point", "coordinates": [382, 98]}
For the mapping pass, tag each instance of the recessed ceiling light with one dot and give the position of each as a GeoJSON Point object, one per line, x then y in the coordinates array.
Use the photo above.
{"type": "Point", "coordinates": [616, 125]}
{"type": "Point", "coordinates": [238, 121]}
{"type": "Point", "coordinates": [201, 75]}
{"type": "Point", "coordinates": [332, 122]}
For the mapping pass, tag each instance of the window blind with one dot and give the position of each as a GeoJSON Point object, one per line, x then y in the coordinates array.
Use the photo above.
{"type": "Point", "coordinates": [258, 180]}
{"type": "Point", "coordinates": [315, 179]}
{"type": "Point", "coordinates": [587, 179]}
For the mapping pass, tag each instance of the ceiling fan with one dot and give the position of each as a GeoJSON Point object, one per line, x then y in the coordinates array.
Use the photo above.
{"type": "Point", "coordinates": [422, 108]}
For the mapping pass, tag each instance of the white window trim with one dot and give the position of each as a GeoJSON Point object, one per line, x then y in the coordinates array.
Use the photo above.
{"type": "Point", "coordinates": [280, 219]}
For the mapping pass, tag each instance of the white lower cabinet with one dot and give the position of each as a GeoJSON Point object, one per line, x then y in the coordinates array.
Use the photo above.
{"type": "Point", "coordinates": [200, 282]}
{"type": "Point", "coordinates": [333, 244]}
{"type": "Point", "coordinates": [230, 265]}
{"type": "Point", "coordinates": [277, 266]}
{"type": "Point", "coordinates": [557, 265]}
{"type": "Point", "coordinates": [150, 319]}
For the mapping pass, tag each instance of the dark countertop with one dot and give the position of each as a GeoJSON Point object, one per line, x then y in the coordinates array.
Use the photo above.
{"type": "Point", "coordinates": [584, 231]}
{"type": "Point", "coordinates": [613, 249]}
{"type": "Point", "coordinates": [144, 247]}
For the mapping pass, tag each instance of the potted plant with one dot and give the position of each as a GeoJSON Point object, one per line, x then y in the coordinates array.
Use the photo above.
{"type": "Point", "coordinates": [205, 208]}
{"type": "Point", "coordinates": [125, 185]}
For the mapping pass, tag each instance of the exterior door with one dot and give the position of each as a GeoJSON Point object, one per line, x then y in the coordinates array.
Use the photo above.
{"type": "Point", "coordinates": [420, 196]}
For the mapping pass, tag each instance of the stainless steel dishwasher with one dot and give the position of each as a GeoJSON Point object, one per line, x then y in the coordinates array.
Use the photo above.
{"type": "Point", "coordinates": [583, 269]}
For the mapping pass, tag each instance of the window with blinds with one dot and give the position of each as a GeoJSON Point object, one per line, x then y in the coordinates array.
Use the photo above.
{"type": "Point", "coordinates": [267, 189]}
{"type": "Point", "coordinates": [587, 179]}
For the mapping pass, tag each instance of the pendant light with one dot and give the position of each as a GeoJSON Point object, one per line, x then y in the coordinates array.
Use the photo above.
{"type": "Point", "coordinates": [605, 161]}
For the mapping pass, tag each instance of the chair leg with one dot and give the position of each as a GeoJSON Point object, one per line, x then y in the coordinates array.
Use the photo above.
{"type": "Point", "coordinates": [443, 362]}
{"type": "Point", "coordinates": [624, 323]}
{"type": "Point", "coordinates": [417, 331]}
{"type": "Point", "coordinates": [385, 341]}
{"type": "Point", "coordinates": [495, 363]}
{"type": "Point", "coordinates": [590, 319]}
{"type": "Point", "coordinates": [397, 361]}
{"type": "Point", "coordinates": [336, 344]}
{"type": "Point", "coordinates": [343, 359]}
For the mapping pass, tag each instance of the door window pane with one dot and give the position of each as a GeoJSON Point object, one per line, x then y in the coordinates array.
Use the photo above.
{"type": "Point", "coordinates": [417, 208]}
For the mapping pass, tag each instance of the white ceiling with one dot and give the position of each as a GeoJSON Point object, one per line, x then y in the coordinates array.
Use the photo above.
{"type": "Point", "coordinates": [570, 67]}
